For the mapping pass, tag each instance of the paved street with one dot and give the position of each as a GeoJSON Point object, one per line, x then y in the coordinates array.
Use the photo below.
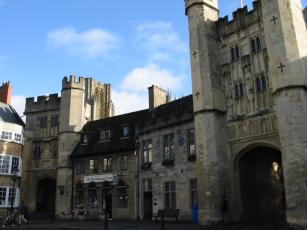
{"type": "Point", "coordinates": [129, 225]}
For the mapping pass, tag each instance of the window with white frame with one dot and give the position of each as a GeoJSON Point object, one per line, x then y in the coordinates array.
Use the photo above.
{"type": "Point", "coordinates": [2, 196]}
{"type": "Point", "coordinates": [5, 164]}
{"type": "Point", "coordinates": [18, 137]}
{"type": "Point", "coordinates": [15, 164]}
{"type": "Point", "coordinates": [5, 135]}
{"type": "Point", "coordinates": [10, 163]}
{"type": "Point", "coordinates": [9, 195]}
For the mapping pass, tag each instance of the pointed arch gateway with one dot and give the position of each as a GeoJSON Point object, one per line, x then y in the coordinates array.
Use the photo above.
{"type": "Point", "coordinates": [45, 198]}
{"type": "Point", "coordinates": [261, 184]}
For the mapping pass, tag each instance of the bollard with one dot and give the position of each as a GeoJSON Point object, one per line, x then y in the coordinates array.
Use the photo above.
{"type": "Point", "coordinates": [162, 220]}
{"type": "Point", "coordinates": [105, 220]}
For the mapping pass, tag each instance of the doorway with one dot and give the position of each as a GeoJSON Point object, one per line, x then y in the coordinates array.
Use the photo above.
{"type": "Point", "coordinates": [45, 196]}
{"type": "Point", "coordinates": [147, 205]}
{"type": "Point", "coordinates": [262, 185]}
{"type": "Point", "coordinates": [107, 201]}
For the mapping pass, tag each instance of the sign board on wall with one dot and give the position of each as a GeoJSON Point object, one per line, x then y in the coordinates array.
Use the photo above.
{"type": "Point", "coordinates": [98, 178]}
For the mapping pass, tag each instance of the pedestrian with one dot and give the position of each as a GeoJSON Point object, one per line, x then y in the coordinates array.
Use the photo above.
{"type": "Point", "coordinates": [22, 213]}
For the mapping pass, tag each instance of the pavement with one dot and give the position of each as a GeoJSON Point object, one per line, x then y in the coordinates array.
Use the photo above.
{"type": "Point", "coordinates": [139, 225]}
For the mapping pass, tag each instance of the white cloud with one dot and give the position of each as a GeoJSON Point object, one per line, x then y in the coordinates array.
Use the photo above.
{"type": "Point", "coordinates": [18, 103]}
{"type": "Point", "coordinates": [126, 102]}
{"type": "Point", "coordinates": [139, 79]}
{"type": "Point", "coordinates": [161, 39]}
{"type": "Point", "coordinates": [92, 43]}
{"type": "Point", "coordinates": [132, 94]}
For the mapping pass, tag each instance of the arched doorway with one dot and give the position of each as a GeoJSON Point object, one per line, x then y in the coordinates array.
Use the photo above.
{"type": "Point", "coordinates": [262, 185]}
{"type": "Point", "coordinates": [45, 198]}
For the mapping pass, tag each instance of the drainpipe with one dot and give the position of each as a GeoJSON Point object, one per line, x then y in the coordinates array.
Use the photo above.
{"type": "Point", "coordinates": [72, 185]}
{"type": "Point", "coordinates": [137, 145]}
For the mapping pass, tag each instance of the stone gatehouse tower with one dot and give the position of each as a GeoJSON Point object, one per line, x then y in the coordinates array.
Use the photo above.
{"type": "Point", "coordinates": [53, 126]}
{"type": "Point", "coordinates": [250, 107]}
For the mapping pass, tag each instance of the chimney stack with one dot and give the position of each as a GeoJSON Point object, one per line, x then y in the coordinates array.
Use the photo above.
{"type": "Point", "coordinates": [157, 97]}
{"type": "Point", "coordinates": [6, 93]}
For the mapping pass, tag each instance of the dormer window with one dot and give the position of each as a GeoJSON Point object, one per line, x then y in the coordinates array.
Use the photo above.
{"type": "Point", "coordinates": [85, 138]}
{"type": "Point", "coordinates": [126, 131]}
{"type": "Point", "coordinates": [105, 135]}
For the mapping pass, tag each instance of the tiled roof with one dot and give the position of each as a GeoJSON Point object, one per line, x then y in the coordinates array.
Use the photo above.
{"type": "Point", "coordinates": [9, 115]}
{"type": "Point", "coordinates": [180, 110]}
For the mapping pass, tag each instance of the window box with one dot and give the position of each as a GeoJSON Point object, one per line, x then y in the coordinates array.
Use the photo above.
{"type": "Point", "coordinates": [146, 165]}
{"type": "Point", "coordinates": [192, 157]}
{"type": "Point", "coordinates": [168, 162]}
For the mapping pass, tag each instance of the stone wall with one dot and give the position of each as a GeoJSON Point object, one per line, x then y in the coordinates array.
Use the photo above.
{"type": "Point", "coordinates": [127, 176]}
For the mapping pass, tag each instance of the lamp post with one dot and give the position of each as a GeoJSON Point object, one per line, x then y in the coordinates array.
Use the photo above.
{"type": "Point", "coordinates": [15, 171]}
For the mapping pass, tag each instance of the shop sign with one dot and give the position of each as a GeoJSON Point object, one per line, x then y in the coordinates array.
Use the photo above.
{"type": "Point", "coordinates": [98, 178]}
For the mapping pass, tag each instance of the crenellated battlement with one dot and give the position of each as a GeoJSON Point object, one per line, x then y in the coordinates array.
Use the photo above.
{"type": "Point", "coordinates": [44, 102]}
{"type": "Point", "coordinates": [72, 82]}
{"type": "Point", "coordinates": [242, 18]}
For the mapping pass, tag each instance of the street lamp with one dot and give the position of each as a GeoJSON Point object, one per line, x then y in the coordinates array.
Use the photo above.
{"type": "Point", "coordinates": [15, 171]}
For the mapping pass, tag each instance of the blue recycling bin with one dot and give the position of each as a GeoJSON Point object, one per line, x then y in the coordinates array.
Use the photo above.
{"type": "Point", "coordinates": [195, 214]}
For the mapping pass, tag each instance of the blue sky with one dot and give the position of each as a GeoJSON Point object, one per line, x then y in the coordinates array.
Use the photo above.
{"type": "Point", "coordinates": [130, 44]}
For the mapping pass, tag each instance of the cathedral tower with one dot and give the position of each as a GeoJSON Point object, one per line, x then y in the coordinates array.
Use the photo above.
{"type": "Point", "coordinates": [209, 108]}
{"type": "Point", "coordinates": [286, 34]}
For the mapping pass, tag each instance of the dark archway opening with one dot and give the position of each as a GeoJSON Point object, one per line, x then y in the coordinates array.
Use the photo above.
{"type": "Point", "coordinates": [45, 198]}
{"type": "Point", "coordinates": [262, 185]}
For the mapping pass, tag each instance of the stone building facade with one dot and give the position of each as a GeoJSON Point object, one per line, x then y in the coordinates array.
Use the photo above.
{"type": "Point", "coordinates": [105, 168]}
{"type": "Point", "coordinates": [159, 154]}
{"type": "Point", "coordinates": [250, 106]}
{"type": "Point", "coordinates": [167, 158]}
{"type": "Point", "coordinates": [11, 148]}
{"type": "Point", "coordinates": [53, 125]}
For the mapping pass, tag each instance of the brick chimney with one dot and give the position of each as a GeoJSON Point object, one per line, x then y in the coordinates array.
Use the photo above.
{"type": "Point", "coordinates": [6, 92]}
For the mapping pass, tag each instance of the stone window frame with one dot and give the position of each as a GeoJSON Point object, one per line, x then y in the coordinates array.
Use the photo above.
{"type": "Point", "coordinates": [122, 163]}
{"type": "Point", "coordinates": [108, 167]}
{"type": "Point", "coordinates": [255, 44]}
{"type": "Point", "coordinates": [54, 120]}
{"type": "Point", "coordinates": [168, 145]}
{"type": "Point", "coordinates": [122, 197]}
{"type": "Point", "coordinates": [235, 53]}
{"type": "Point", "coordinates": [80, 167]}
{"type": "Point", "coordinates": [261, 83]}
{"type": "Point", "coordinates": [105, 135]}
{"type": "Point", "coordinates": [85, 138]}
{"type": "Point", "coordinates": [54, 144]}
{"type": "Point", "coordinates": [126, 131]}
{"type": "Point", "coordinates": [93, 166]}
{"type": "Point", "coordinates": [147, 151]}
{"type": "Point", "coordinates": [43, 122]}
{"type": "Point", "coordinates": [147, 185]}
{"type": "Point", "coordinates": [193, 192]}
{"type": "Point", "coordinates": [36, 150]}
{"type": "Point", "coordinates": [192, 145]}
{"type": "Point", "coordinates": [170, 198]}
